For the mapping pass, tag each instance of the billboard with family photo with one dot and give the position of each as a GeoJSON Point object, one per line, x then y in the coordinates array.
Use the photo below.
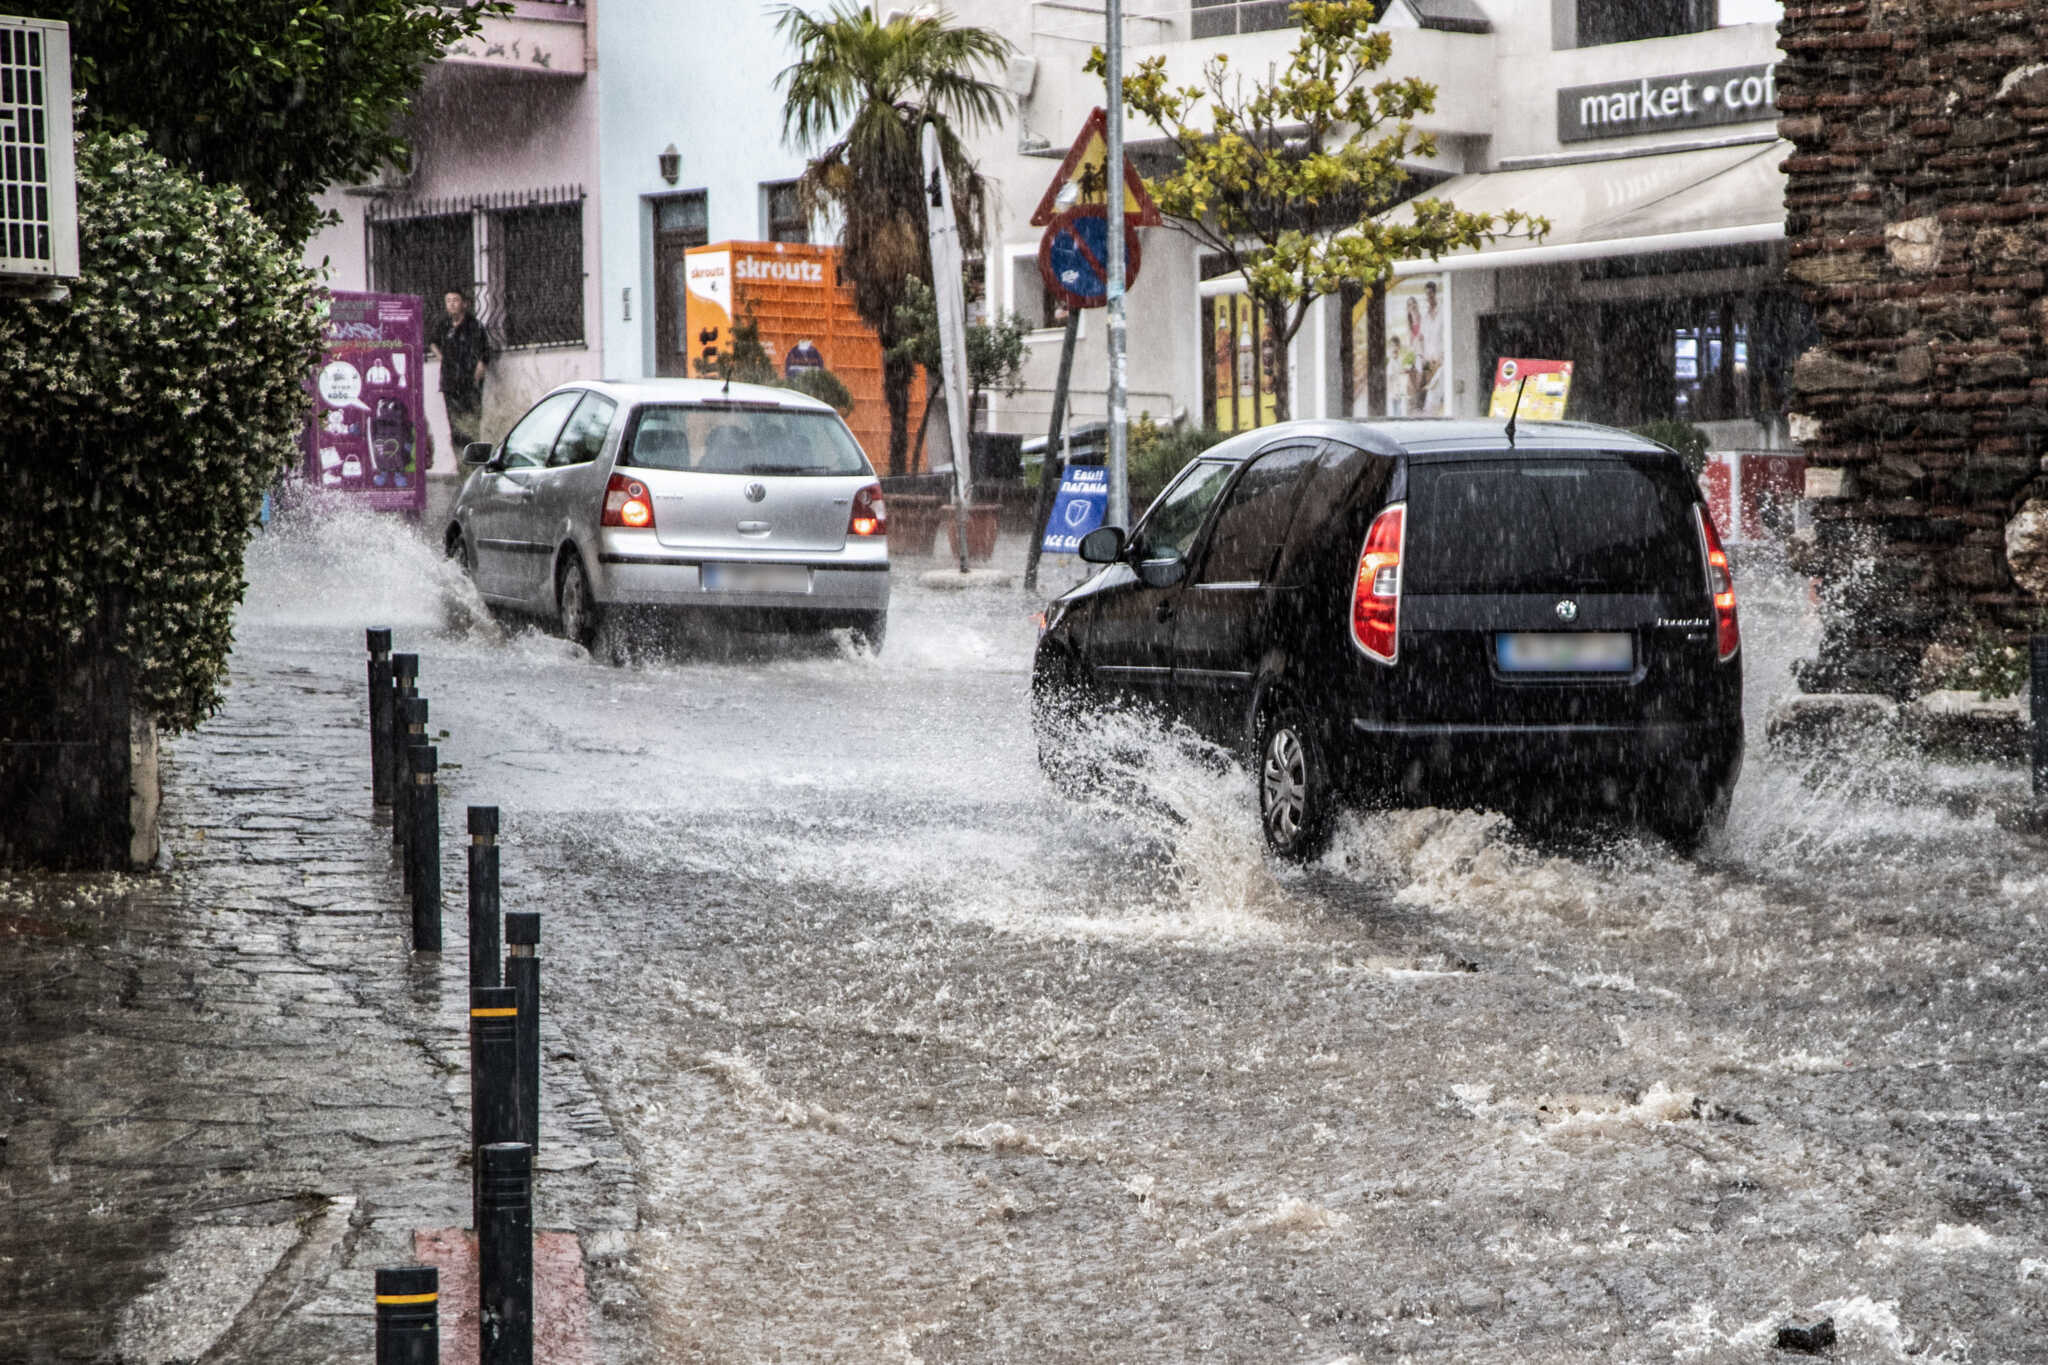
{"type": "Point", "coordinates": [1418, 332]}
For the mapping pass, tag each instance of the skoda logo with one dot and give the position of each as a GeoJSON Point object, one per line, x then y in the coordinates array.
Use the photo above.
{"type": "Point", "coordinates": [1567, 611]}
{"type": "Point", "coordinates": [755, 492]}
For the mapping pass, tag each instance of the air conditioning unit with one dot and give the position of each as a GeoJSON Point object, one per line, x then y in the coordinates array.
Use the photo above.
{"type": "Point", "coordinates": [38, 178]}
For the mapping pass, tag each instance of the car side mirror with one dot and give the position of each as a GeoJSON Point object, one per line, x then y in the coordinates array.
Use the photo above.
{"type": "Point", "coordinates": [1103, 545]}
{"type": "Point", "coordinates": [1162, 573]}
{"type": "Point", "coordinates": [476, 453]}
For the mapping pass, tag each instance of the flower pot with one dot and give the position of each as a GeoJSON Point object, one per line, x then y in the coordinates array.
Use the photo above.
{"type": "Point", "coordinates": [913, 523]}
{"type": "Point", "coordinates": [981, 530]}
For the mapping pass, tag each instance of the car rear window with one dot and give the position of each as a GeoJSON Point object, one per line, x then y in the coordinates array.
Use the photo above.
{"type": "Point", "coordinates": [743, 439]}
{"type": "Point", "coordinates": [1551, 524]}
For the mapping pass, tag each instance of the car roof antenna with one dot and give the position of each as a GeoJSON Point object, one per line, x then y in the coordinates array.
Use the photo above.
{"type": "Point", "coordinates": [728, 379]}
{"type": "Point", "coordinates": [1517, 412]}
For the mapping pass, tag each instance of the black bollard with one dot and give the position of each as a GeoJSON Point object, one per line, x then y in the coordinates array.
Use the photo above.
{"type": "Point", "coordinates": [405, 682]}
{"type": "Point", "coordinates": [504, 1255]}
{"type": "Point", "coordinates": [483, 896]}
{"type": "Point", "coordinates": [2037, 706]}
{"type": "Point", "coordinates": [493, 1074]}
{"type": "Point", "coordinates": [378, 639]}
{"type": "Point", "coordinates": [412, 730]}
{"type": "Point", "coordinates": [424, 852]}
{"type": "Point", "coordinates": [408, 1315]}
{"type": "Point", "coordinates": [522, 974]}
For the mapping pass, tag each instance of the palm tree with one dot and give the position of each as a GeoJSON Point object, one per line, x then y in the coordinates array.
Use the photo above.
{"type": "Point", "coordinates": [875, 85]}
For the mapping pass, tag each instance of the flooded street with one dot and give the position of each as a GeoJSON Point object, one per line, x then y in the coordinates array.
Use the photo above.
{"type": "Point", "coordinates": [916, 1061]}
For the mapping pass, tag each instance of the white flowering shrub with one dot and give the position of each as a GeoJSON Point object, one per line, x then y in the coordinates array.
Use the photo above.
{"type": "Point", "coordinates": [145, 416]}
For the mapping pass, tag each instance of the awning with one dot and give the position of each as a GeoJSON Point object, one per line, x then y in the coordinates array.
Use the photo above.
{"type": "Point", "coordinates": [1625, 206]}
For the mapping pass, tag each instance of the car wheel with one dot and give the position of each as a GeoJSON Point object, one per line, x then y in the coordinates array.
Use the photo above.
{"type": "Point", "coordinates": [1297, 799]}
{"type": "Point", "coordinates": [1684, 813]}
{"type": "Point", "coordinates": [1058, 705]}
{"type": "Point", "coordinates": [871, 630]}
{"type": "Point", "coordinates": [581, 617]}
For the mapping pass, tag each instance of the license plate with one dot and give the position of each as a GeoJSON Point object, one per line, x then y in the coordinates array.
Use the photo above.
{"type": "Point", "coordinates": [1583, 651]}
{"type": "Point", "coordinates": [756, 578]}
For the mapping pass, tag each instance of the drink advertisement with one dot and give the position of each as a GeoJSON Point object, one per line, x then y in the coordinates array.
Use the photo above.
{"type": "Point", "coordinates": [1245, 378]}
{"type": "Point", "coordinates": [1549, 384]}
{"type": "Point", "coordinates": [1418, 364]}
{"type": "Point", "coordinates": [367, 439]}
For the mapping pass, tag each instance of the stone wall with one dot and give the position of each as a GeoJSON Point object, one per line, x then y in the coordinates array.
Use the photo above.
{"type": "Point", "coordinates": [1917, 220]}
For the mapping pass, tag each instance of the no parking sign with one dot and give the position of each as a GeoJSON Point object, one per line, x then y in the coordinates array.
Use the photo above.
{"type": "Point", "coordinates": [1082, 502]}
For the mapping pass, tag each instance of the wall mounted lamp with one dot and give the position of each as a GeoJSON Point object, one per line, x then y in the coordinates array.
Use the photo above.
{"type": "Point", "coordinates": [671, 162]}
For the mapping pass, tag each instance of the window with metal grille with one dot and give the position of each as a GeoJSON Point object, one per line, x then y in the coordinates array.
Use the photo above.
{"type": "Point", "coordinates": [519, 257]}
{"type": "Point", "coordinates": [429, 256]}
{"type": "Point", "coordinates": [786, 221]}
{"type": "Point", "coordinates": [536, 259]}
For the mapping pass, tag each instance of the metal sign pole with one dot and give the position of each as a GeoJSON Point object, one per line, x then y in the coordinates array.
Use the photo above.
{"type": "Point", "coordinates": [951, 307]}
{"type": "Point", "coordinates": [1119, 513]}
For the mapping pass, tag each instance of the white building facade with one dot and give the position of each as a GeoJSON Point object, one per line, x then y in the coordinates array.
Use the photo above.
{"type": "Point", "coordinates": [1642, 129]}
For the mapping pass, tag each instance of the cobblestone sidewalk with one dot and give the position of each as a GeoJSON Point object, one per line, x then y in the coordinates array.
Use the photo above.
{"type": "Point", "coordinates": [228, 1092]}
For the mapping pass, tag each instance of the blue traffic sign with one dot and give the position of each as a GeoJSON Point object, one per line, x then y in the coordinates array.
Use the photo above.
{"type": "Point", "coordinates": [1073, 256]}
{"type": "Point", "coordinates": [1082, 503]}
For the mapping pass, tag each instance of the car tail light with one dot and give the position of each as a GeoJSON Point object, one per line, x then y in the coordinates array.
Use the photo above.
{"type": "Point", "coordinates": [627, 503]}
{"type": "Point", "coordinates": [870, 514]}
{"type": "Point", "coordinates": [1721, 584]}
{"type": "Point", "coordinates": [1376, 597]}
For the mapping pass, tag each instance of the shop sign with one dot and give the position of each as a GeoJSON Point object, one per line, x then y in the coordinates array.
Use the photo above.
{"type": "Point", "coordinates": [1535, 389]}
{"type": "Point", "coordinates": [1083, 499]}
{"type": "Point", "coordinates": [1654, 104]}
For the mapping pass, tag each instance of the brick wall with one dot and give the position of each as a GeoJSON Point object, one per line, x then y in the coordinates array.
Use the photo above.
{"type": "Point", "coordinates": [1917, 219]}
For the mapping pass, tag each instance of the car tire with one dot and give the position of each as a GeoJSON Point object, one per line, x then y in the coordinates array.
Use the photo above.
{"type": "Point", "coordinates": [1059, 703]}
{"type": "Point", "coordinates": [1297, 796]}
{"type": "Point", "coordinates": [581, 617]}
{"type": "Point", "coordinates": [1684, 812]}
{"type": "Point", "coordinates": [871, 630]}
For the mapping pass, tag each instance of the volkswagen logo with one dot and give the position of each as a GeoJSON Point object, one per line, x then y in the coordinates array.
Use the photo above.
{"type": "Point", "coordinates": [1567, 611]}
{"type": "Point", "coordinates": [756, 492]}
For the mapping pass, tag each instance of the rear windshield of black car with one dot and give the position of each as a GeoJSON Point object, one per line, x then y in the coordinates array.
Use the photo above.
{"type": "Point", "coordinates": [1550, 523]}
{"type": "Point", "coordinates": [738, 438]}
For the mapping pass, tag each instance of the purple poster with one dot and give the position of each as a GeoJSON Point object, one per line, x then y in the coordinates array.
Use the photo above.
{"type": "Point", "coordinates": [368, 437]}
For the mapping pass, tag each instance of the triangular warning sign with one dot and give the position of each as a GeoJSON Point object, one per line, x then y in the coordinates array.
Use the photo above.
{"type": "Point", "coordinates": [1087, 169]}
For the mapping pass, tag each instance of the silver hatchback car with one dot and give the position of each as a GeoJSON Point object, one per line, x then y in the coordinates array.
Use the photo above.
{"type": "Point", "coordinates": [677, 495]}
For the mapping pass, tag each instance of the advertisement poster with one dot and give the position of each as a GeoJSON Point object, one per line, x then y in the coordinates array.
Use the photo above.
{"type": "Point", "coordinates": [1418, 363]}
{"type": "Point", "coordinates": [1243, 351]}
{"type": "Point", "coordinates": [1543, 400]}
{"type": "Point", "coordinates": [1078, 509]}
{"type": "Point", "coordinates": [792, 292]}
{"type": "Point", "coordinates": [367, 439]}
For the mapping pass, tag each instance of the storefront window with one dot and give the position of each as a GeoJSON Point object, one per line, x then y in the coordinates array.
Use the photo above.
{"type": "Point", "coordinates": [1698, 358]}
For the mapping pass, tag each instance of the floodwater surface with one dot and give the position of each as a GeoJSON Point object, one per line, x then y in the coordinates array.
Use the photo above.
{"type": "Point", "coordinates": [917, 1061]}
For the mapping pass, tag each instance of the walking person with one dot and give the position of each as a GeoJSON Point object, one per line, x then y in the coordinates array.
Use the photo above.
{"type": "Point", "coordinates": [464, 349]}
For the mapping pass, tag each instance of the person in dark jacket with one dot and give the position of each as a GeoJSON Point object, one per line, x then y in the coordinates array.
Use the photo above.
{"type": "Point", "coordinates": [464, 349]}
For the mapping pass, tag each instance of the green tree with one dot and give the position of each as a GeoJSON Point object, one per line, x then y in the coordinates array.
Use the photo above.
{"type": "Point", "coordinates": [995, 349]}
{"type": "Point", "coordinates": [280, 97]}
{"type": "Point", "coordinates": [874, 86]}
{"type": "Point", "coordinates": [1282, 178]}
{"type": "Point", "coordinates": [147, 413]}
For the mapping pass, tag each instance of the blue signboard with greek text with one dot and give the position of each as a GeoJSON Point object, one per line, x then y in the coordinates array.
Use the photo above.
{"type": "Point", "coordinates": [1082, 502]}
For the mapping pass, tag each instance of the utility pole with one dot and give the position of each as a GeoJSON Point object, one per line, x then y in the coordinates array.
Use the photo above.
{"type": "Point", "coordinates": [1119, 513]}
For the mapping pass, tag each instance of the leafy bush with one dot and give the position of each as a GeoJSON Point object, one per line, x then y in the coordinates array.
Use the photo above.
{"type": "Point", "coordinates": [146, 416]}
{"type": "Point", "coordinates": [824, 386]}
{"type": "Point", "coordinates": [1155, 453]}
{"type": "Point", "coordinates": [1685, 438]}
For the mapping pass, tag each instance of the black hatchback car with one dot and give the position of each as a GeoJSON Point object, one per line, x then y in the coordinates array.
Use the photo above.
{"type": "Point", "coordinates": [1420, 610]}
